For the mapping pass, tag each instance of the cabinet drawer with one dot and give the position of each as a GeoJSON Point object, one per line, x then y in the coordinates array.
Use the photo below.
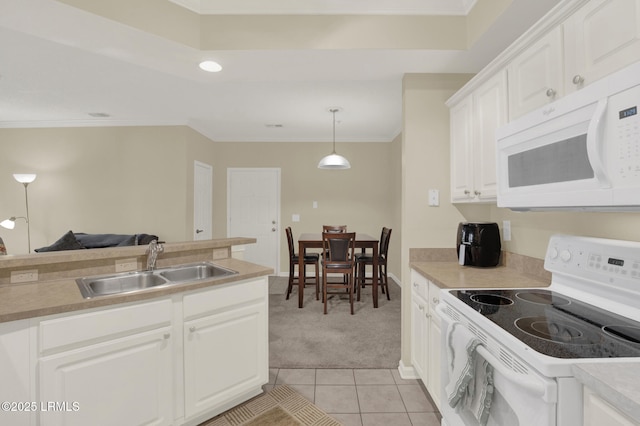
{"type": "Point", "coordinates": [102, 324]}
{"type": "Point", "coordinates": [224, 297]}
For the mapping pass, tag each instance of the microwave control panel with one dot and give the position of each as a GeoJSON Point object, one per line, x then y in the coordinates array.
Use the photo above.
{"type": "Point", "coordinates": [625, 131]}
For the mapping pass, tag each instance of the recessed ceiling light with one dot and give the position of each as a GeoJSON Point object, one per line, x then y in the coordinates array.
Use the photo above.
{"type": "Point", "coordinates": [99, 114]}
{"type": "Point", "coordinates": [274, 125]}
{"type": "Point", "coordinates": [210, 66]}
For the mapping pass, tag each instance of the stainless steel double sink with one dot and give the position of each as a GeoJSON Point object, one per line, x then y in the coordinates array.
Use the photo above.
{"type": "Point", "coordinates": [130, 282]}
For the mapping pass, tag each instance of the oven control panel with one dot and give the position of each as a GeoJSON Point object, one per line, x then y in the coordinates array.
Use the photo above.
{"type": "Point", "coordinates": [612, 262]}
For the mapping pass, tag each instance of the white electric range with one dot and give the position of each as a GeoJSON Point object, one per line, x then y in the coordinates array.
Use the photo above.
{"type": "Point", "coordinates": [532, 337]}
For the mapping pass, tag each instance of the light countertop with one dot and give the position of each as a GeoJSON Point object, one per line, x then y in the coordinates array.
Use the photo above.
{"type": "Point", "coordinates": [36, 299]}
{"type": "Point", "coordinates": [453, 275]}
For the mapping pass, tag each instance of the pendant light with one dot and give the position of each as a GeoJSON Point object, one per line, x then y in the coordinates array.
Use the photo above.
{"type": "Point", "coordinates": [333, 160]}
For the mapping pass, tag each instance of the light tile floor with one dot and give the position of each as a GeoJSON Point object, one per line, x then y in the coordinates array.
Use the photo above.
{"type": "Point", "coordinates": [361, 397]}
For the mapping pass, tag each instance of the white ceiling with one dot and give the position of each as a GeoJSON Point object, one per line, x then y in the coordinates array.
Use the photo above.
{"type": "Point", "coordinates": [59, 64]}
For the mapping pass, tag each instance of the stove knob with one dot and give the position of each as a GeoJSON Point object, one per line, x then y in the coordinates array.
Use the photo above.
{"type": "Point", "coordinates": [565, 255]}
{"type": "Point", "coordinates": [553, 253]}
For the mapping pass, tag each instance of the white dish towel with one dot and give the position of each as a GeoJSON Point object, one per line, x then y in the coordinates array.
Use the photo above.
{"type": "Point", "coordinates": [470, 376]}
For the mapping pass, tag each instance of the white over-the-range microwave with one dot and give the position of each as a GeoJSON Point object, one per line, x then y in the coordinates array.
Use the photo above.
{"type": "Point", "coordinates": [581, 152]}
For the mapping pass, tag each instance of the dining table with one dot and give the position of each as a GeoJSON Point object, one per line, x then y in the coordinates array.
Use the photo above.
{"type": "Point", "coordinates": [313, 240]}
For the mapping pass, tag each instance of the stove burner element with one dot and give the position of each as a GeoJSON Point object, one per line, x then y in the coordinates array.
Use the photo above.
{"type": "Point", "coordinates": [491, 299]}
{"type": "Point", "coordinates": [542, 298]}
{"type": "Point", "coordinates": [624, 332]}
{"type": "Point", "coordinates": [555, 331]}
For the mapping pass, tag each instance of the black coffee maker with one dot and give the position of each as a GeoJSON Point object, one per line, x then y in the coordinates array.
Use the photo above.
{"type": "Point", "coordinates": [478, 244]}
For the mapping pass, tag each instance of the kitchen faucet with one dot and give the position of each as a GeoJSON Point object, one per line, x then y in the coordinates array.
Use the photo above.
{"type": "Point", "coordinates": [153, 251]}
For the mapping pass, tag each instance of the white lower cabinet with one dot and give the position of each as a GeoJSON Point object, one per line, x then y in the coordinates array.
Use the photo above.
{"type": "Point", "coordinates": [108, 366]}
{"type": "Point", "coordinates": [598, 412]}
{"type": "Point", "coordinates": [171, 361]}
{"type": "Point", "coordinates": [126, 381]}
{"type": "Point", "coordinates": [425, 333]}
{"type": "Point", "coordinates": [225, 346]}
{"type": "Point", "coordinates": [15, 374]}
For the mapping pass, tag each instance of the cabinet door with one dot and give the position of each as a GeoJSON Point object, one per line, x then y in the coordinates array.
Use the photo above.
{"type": "Point", "coordinates": [601, 37]}
{"type": "Point", "coordinates": [490, 112]}
{"type": "Point", "coordinates": [225, 356]}
{"type": "Point", "coordinates": [461, 122]}
{"type": "Point", "coordinates": [419, 336]}
{"type": "Point", "coordinates": [123, 381]}
{"type": "Point", "coordinates": [15, 371]}
{"type": "Point", "coordinates": [536, 75]}
{"type": "Point", "coordinates": [433, 385]}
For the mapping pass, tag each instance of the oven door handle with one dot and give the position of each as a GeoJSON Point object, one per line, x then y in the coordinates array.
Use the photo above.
{"type": "Point", "coordinates": [537, 386]}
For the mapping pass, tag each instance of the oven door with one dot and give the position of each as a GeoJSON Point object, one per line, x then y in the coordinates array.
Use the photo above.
{"type": "Point", "coordinates": [520, 398]}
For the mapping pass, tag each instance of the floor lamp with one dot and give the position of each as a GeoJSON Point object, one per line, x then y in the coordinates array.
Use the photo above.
{"type": "Point", "coordinates": [25, 179]}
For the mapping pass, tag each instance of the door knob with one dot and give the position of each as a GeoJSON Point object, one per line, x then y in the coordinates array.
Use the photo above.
{"type": "Point", "coordinates": [199, 231]}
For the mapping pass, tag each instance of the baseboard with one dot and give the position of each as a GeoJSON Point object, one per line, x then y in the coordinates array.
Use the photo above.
{"type": "Point", "coordinates": [390, 276]}
{"type": "Point", "coordinates": [407, 372]}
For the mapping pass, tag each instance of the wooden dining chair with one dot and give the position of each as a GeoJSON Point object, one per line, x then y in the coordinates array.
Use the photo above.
{"type": "Point", "coordinates": [338, 257]}
{"type": "Point", "coordinates": [364, 259]}
{"type": "Point", "coordinates": [334, 228]}
{"type": "Point", "coordinates": [309, 259]}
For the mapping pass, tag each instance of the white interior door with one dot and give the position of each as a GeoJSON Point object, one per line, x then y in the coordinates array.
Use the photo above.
{"type": "Point", "coordinates": [202, 201]}
{"type": "Point", "coordinates": [253, 210]}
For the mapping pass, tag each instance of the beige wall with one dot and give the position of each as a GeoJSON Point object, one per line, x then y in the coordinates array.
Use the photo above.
{"type": "Point", "coordinates": [365, 197]}
{"type": "Point", "coordinates": [425, 165]}
{"type": "Point", "coordinates": [95, 180]}
{"type": "Point", "coordinates": [140, 179]}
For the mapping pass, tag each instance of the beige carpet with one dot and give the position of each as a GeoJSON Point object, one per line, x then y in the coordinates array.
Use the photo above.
{"type": "Point", "coordinates": [305, 338]}
{"type": "Point", "coordinates": [282, 406]}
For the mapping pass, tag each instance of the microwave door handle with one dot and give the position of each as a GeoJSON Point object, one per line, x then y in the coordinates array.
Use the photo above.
{"type": "Point", "coordinates": [595, 143]}
{"type": "Point", "coordinates": [537, 386]}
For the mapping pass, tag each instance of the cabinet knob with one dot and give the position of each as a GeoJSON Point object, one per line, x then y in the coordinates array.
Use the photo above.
{"type": "Point", "coordinates": [415, 285]}
{"type": "Point", "coordinates": [477, 193]}
{"type": "Point", "coordinates": [467, 192]}
{"type": "Point", "coordinates": [551, 93]}
{"type": "Point", "coordinates": [192, 329]}
{"type": "Point", "coordinates": [421, 307]}
{"type": "Point", "coordinates": [435, 300]}
{"type": "Point", "coordinates": [578, 79]}
{"type": "Point", "coordinates": [166, 335]}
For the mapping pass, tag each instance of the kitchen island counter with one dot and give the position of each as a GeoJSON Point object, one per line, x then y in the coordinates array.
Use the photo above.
{"type": "Point", "coordinates": [57, 291]}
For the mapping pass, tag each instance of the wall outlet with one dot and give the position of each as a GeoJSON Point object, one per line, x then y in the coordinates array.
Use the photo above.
{"type": "Point", "coordinates": [506, 230]}
{"type": "Point", "coordinates": [24, 276]}
{"type": "Point", "coordinates": [126, 265]}
{"type": "Point", "coordinates": [434, 197]}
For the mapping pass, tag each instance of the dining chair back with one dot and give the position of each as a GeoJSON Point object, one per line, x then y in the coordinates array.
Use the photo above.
{"type": "Point", "coordinates": [364, 259]}
{"type": "Point", "coordinates": [334, 228]}
{"type": "Point", "coordinates": [338, 258]}
{"type": "Point", "coordinates": [309, 259]}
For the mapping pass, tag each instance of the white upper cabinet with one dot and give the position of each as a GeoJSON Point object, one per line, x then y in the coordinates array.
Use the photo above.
{"type": "Point", "coordinates": [536, 75]}
{"type": "Point", "coordinates": [474, 121]}
{"type": "Point", "coordinates": [601, 37]}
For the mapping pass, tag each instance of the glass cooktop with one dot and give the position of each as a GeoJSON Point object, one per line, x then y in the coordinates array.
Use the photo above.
{"type": "Point", "coordinates": [556, 325]}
